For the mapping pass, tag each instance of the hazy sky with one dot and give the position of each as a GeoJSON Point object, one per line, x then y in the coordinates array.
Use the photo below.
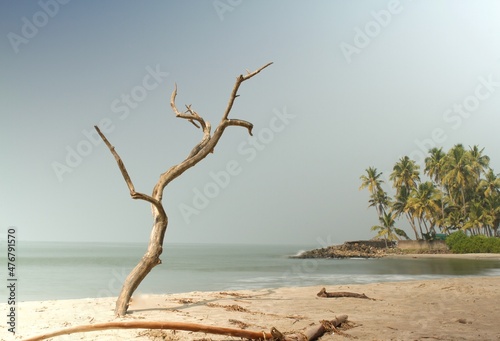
{"type": "Point", "coordinates": [354, 84]}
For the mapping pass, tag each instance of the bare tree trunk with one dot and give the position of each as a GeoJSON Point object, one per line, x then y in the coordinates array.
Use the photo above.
{"type": "Point", "coordinates": [141, 270]}
{"type": "Point", "coordinates": [198, 153]}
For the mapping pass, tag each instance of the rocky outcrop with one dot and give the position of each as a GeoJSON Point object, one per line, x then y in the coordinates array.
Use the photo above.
{"type": "Point", "coordinates": [347, 250]}
{"type": "Point", "coordinates": [366, 249]}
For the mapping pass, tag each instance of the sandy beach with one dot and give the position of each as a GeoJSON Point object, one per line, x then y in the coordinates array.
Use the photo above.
{"type": "Point", "coordinates": [446, 309]}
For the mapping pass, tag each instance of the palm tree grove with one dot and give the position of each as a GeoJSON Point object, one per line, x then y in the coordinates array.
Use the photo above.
{"type": "Point", "coordinates": [459, 193]}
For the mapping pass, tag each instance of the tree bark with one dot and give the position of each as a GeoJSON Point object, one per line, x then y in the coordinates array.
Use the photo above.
{"type": "Point", "coordinates": [198, 153]}
{"type": "Point", "coordinates": [146, 264]}
{"type": "Point", "coordinates": [315, 332]}
{"type": "Point", "coordinates": [311, 333]}
{"type": "Point", "coordinates": [193, 327]}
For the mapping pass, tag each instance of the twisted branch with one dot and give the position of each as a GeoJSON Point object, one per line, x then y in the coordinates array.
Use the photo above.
{"type": "Point", "coordinates": [189, 114]}
{"type": "Point", "coordinates": [209, 141]}
{"type": "Point", "coordinates": [240, 79]}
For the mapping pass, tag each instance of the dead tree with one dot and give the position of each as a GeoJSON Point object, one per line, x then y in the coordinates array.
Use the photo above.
{"type": "Point", "coordinates": [160, 220]}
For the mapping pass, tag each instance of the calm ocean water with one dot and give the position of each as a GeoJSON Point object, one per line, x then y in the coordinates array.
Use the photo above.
{"type": "Point", "coordinates": [81, 270]}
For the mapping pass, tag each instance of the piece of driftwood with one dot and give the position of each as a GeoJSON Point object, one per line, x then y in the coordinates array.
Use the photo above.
{"type": "Point", "coordinates": [324, 293]}
{"type": "Point", "coordinates": [193, 327]}
{"type": "Point", "coordinates": [311, 333]}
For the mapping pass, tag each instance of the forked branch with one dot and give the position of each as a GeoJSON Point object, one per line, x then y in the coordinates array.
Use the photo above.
{"type": "Point", "coordinates": [240, 79]}
{"type": "Point", "coordinates": [123, 170]}
{"type": "Point", "coordinates": [189, 114]}
{"type": "Point", "coordinates": [209, 140]}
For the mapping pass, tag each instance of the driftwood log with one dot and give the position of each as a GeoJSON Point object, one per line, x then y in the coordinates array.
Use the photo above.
{"type": "Point", "coordinates": [316, 331]}
{"type": "Point", "coordinates": [311, 333]}
{"type": "Point", "coordinates": [324, 293]}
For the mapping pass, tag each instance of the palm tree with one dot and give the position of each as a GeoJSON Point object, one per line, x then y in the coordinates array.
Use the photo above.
{"type": "Point", "coordinates": [454, 219]}
{"type": "Point", "coordinates": [478, 218]}
{"type": "Point", "coordinates": [434, 166]}
{"type": "Point", "coordinates": [463, 194]}
{"type": "Point", "coordinates": [386, 228]}
{"type": "Point", "coordinates": [458, 172]}
{"type": "Point", "coordinates": [405, 174]}
{"type": "Point", "coordinates": [492, 205]}
{"type": "Point", "coordinates": [490, 185]}
{"type": "Point", "coordinates": [479, 162]}
{"type": "Point", "coordinates": [381, 201]}
{"type": "Point", "coordinates": [423, 201]}
{"type": "Point", "coordinates": [400, 206]}
{"type": "Point", "coordinates": [372, 180]}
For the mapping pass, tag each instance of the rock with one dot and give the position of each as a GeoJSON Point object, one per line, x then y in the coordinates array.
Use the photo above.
{"type": "Point", "coordinates": [346, 250]}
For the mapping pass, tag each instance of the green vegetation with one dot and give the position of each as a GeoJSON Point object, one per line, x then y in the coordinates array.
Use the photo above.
{"type": "Point", "coordinates": [459, 242]}
{"type": "Point", "coordinates": [462, 193]}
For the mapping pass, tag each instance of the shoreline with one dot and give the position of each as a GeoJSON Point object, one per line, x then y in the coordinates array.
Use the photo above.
{"type": "Point", "coordinates": [459, 308]}
{"type": "Point", "coordinates": [377, 249]}
{"type": "Point", "coordinates": [485, 256]}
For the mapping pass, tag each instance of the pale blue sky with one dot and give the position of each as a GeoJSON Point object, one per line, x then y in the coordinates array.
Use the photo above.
{"type": "Point", "coordinates": [353, 84]}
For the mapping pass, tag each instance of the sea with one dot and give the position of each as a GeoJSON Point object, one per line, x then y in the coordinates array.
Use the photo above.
{"type": "Point", "coordinates": [47, 271]}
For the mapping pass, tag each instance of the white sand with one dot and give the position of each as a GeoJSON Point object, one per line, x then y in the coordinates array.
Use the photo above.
{"type": "Point", "coordinates": [449, 309]}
